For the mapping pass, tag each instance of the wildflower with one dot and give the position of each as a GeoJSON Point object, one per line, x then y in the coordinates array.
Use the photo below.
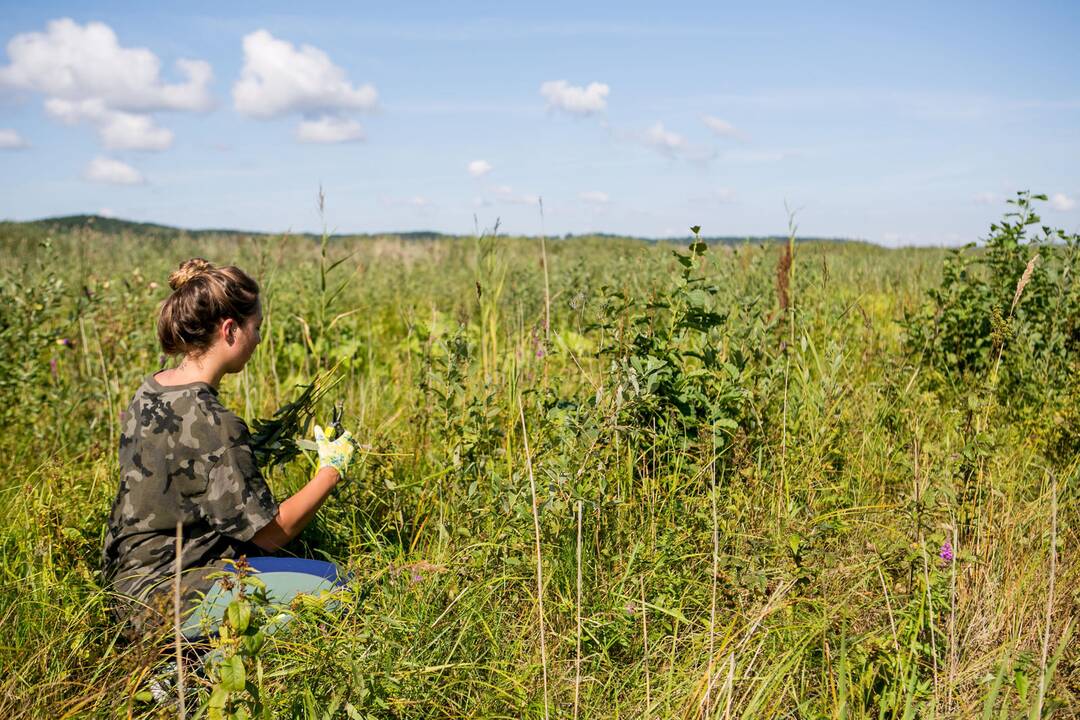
{"type": "Point", "coordinates": [153, 285]}
{"type": "Point", "coordinates": [52, 369]}
{"type": "Point", "coordinates": [65, 342]}
{"type": "Point", "coordinates": [946, 553]}
{"type": "Point", "coordinates": [538, 343]}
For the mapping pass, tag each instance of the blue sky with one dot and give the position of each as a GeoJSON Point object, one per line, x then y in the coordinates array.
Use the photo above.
{"type": "Point", "coordinates": [902, 123]}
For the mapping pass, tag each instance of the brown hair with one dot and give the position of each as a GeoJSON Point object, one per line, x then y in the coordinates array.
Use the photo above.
{"type": "Point", "coordinates": [203, 296]}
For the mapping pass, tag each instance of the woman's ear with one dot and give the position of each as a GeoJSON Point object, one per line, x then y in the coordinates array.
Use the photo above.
{"type": "Point", "coordinates": [228, 330]}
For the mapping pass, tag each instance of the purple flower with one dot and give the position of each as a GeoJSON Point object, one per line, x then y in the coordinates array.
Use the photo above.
{"type": "Point", "coordinates": [946, 553]}
{"type": "Point", "coordinates": [66, 342]}
{"type": "Point", "coordinates": [539, 351]}
{"type": "Point", "coordinates": [52, 369]}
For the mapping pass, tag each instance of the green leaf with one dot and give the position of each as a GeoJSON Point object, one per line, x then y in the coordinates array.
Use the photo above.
{"type": "Point", "coordinates": [218, 698]}
{"type": "Point", "coordinates": [233, 675]}
{"type": "Point", "coordinates": [239, 615]}
{"type": "Point", "coordinates": [254, 581]}
{"type": "Point", "coordinates": [253, 643]}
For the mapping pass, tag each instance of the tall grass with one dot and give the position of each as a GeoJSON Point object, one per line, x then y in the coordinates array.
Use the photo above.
{"type": "Point", "coordinates": [789, 568]}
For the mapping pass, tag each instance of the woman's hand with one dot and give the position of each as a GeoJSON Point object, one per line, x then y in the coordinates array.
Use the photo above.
{"type": "Point", "coordinates": [295, 513]}
{"type": "Point", "coordinates": [334, 453]}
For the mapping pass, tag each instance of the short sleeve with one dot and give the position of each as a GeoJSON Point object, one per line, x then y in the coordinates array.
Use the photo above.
{"type": "Point", "coordinates": [237, 502]}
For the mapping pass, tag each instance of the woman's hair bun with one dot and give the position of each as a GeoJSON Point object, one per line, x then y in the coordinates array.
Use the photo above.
{"type": "Point", "coordinates": [188, 271]}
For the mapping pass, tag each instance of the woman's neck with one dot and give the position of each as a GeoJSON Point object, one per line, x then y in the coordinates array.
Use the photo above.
{"type": "Point", "coordinates": [194, 370]}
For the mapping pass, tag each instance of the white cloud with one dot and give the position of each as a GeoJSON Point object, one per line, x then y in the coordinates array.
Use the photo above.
{"type": "Point", "coordinates": [108, 170]}
{"type": "Point", "coordinates": [721, 128]}
{"type": "Point", "coordinates": [506, 194]}
{"type": "Point", "coordinates": [278, 79]}
{"type": "Point", "coordinates": [575, 99]}
{"type": "Point", "coordinates": [11, 140]}
{"type": "Point", "coordinates": [416, 202]}
{"type": "Point", "coordinates": [594, 197]}
{"type": "Point", "coordinates": [760, 157]}
{"type": "Point", "coordinates": [1062, 202]}
{"type": "Point", "coordinates": [75, 62]}
{"type": "Point", "coordinates": [106, 212]}
{"type": "Point", "coordinates": [86, 76]}
{"type": "Point", "coordinates": [664, 140]}
{"type": "Point", "coordinates": [986, 198]}
{"type": "Point", "coordinates": [117, 130]}
{"type": "Point", "coordinates": [669, 143]}
{"type": "Point", "coordinates": [329, 129]}
{"type": "Point", "coordinates": [479, 168]}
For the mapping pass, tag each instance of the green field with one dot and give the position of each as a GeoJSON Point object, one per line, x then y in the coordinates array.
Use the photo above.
{"type": "Point", "coordinates": [737, 474]}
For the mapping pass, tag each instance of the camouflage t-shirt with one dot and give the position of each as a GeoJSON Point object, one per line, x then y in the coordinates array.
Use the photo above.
{"type": "Point", "coordinates": [184, 457]}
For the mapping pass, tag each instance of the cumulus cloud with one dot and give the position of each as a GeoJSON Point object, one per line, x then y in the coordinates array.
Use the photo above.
{"type": "Point", "coordinates": [594, 197]}
{"type": "Point", "coordinates": [11, 140]}
{"type": "Point", "coordinates": [986, 198]}
{"type": "Point", "coordinates": [87, 76]}
{"type": "Point", "coordinates": [479, 168]}
{"type": "Point", "coordinates": [280, 79]}
{"type": "Point", "coordinates": [669, 143]}
{"type": "Point", "coordinates": [1062, 202]}
{"type": "Point", "coordinates": [329, 129]}
{"type": "Point", "coordinates": [117, 129]}
{"type": "Point", "coordinates": [109, 170]}
{"type": "Point", "coordinates": [721, 128]}
{"type": "Point", "coordinates": [664, 140]}
{"type": "Point", "coordinates": [575, 99]}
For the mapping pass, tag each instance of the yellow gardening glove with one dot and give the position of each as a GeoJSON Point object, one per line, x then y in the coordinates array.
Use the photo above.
{"type": "Point", "coordinates": [334, 453]}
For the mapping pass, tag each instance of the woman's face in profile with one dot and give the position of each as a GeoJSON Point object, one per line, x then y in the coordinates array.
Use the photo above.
{"type": "Point", "coordinates": [247, 338]}
{"type": "Point", "coordinates": [253, 330]}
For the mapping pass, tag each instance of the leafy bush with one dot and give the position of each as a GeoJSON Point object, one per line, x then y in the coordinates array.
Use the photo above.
{"type": "Point", "coordinates": [1009, 316]}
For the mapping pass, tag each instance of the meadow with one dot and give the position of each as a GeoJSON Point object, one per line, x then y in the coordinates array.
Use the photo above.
{"type": "Point", "coordinates": [601, 477]}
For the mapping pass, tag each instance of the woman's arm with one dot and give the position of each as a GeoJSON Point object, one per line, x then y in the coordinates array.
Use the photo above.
{"type": "Point", "coordinates": [295, 513]}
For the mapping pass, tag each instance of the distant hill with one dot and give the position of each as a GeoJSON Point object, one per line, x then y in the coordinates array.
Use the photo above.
{"type": "Point", "coordinates": [117, 226]}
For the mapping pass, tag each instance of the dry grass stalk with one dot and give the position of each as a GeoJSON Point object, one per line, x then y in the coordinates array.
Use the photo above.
{"type": "Point", "coordinates": [783, 278]}
{"type": "Point", "coordinates": [577, 657]}
{"type": "Point", "coordinates": [1023, 281]}
{"type": "Point", "coordinates": [712, 602]}
{"type": "Point", "coordinates": [1037, 711]}
{"type": "Point", "coordinates": [539, 556]}
{"type": "Point", "coordinates": [645, 638]}
{"type": "Point", "coordinates": [181, 711]}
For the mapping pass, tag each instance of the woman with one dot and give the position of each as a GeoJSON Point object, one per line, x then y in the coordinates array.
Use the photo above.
{"type": "Point", "coordinates": [185, 458]}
